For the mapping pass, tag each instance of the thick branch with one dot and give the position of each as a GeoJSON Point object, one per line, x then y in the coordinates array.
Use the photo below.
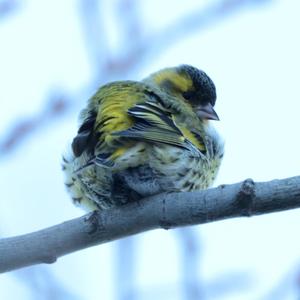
{"type": "Point", "coordinates": [162, 211]}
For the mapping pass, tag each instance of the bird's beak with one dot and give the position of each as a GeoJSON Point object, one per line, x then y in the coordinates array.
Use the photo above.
{"type": "Point", "coordinates": [207, 112]}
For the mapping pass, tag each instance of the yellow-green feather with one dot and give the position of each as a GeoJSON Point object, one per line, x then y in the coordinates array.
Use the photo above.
{"type": "Point", "coordinates": [113, 101]}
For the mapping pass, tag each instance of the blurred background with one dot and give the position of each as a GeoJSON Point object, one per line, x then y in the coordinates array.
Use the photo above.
{"type": "Point", "coordinates": [55, 54]}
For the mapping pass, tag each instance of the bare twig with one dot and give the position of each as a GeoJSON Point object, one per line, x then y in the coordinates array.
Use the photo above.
{"type": "Point", "coordinates": [161, 211]}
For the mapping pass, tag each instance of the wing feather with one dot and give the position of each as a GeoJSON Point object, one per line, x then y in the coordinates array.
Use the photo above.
{"type": "Point", "coordinates": [122, 113]}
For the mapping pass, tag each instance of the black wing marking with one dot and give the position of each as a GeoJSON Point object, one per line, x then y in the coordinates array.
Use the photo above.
{"type": "Point", "coordinates": [86, 139]}
{"type": "Point", "coordinates": [154, 124]}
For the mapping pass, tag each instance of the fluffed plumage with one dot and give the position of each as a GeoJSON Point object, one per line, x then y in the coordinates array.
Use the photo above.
{"type": "Point", "coordinates": [141, 138]}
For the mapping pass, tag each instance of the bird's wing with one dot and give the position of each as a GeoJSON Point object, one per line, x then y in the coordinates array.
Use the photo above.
{"type": "Point", "coordinates": [105, 114]}
{"type": "Point", "coordinates": [152, 123]}
{"type": "Point", "coordinates": [126, 113]}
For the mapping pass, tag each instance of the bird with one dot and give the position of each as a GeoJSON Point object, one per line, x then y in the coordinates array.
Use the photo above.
{"type": "Point", "coordinates": [141, 138]}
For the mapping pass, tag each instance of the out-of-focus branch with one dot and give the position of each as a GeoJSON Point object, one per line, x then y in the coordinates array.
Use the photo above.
{"type": "Point", "coordinates": [161, 211]}
{"type": "Point", "coordinates": [41, 283]}
{"type": "Point", "coordinates": [142, 49]}
{"type": "Point", "coordinates": [126, 262]}
{"type": "Point", "coordinates": [289, 282]}
{"type": "Point", "coordinates": [129, 23]}
{"type": "Point", "coordinates": [55, 107]}
{"type": "Point", "coordinates": [7, 7]}
{"type": "Point", "coordinates": [225, 284]}
{"type": "Point", "coordinates": [94, 35]}
{"type": "Point", "coordinates": [190, 252]}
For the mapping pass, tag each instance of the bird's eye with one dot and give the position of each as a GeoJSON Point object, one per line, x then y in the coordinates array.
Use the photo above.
{"type": "Point", "coordinates": [188, 95]}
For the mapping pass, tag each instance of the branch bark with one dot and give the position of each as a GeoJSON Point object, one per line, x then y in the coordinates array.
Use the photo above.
{"type": "Point", "coordinates": [166, 211]}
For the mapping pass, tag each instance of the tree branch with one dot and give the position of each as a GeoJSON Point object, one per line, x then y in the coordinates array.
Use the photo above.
{"type": "Point", "coordinates": [166, 211]}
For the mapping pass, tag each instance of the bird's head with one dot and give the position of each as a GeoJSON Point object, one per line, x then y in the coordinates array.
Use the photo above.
{"type": "Point", "coordinates": [190, 85]}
